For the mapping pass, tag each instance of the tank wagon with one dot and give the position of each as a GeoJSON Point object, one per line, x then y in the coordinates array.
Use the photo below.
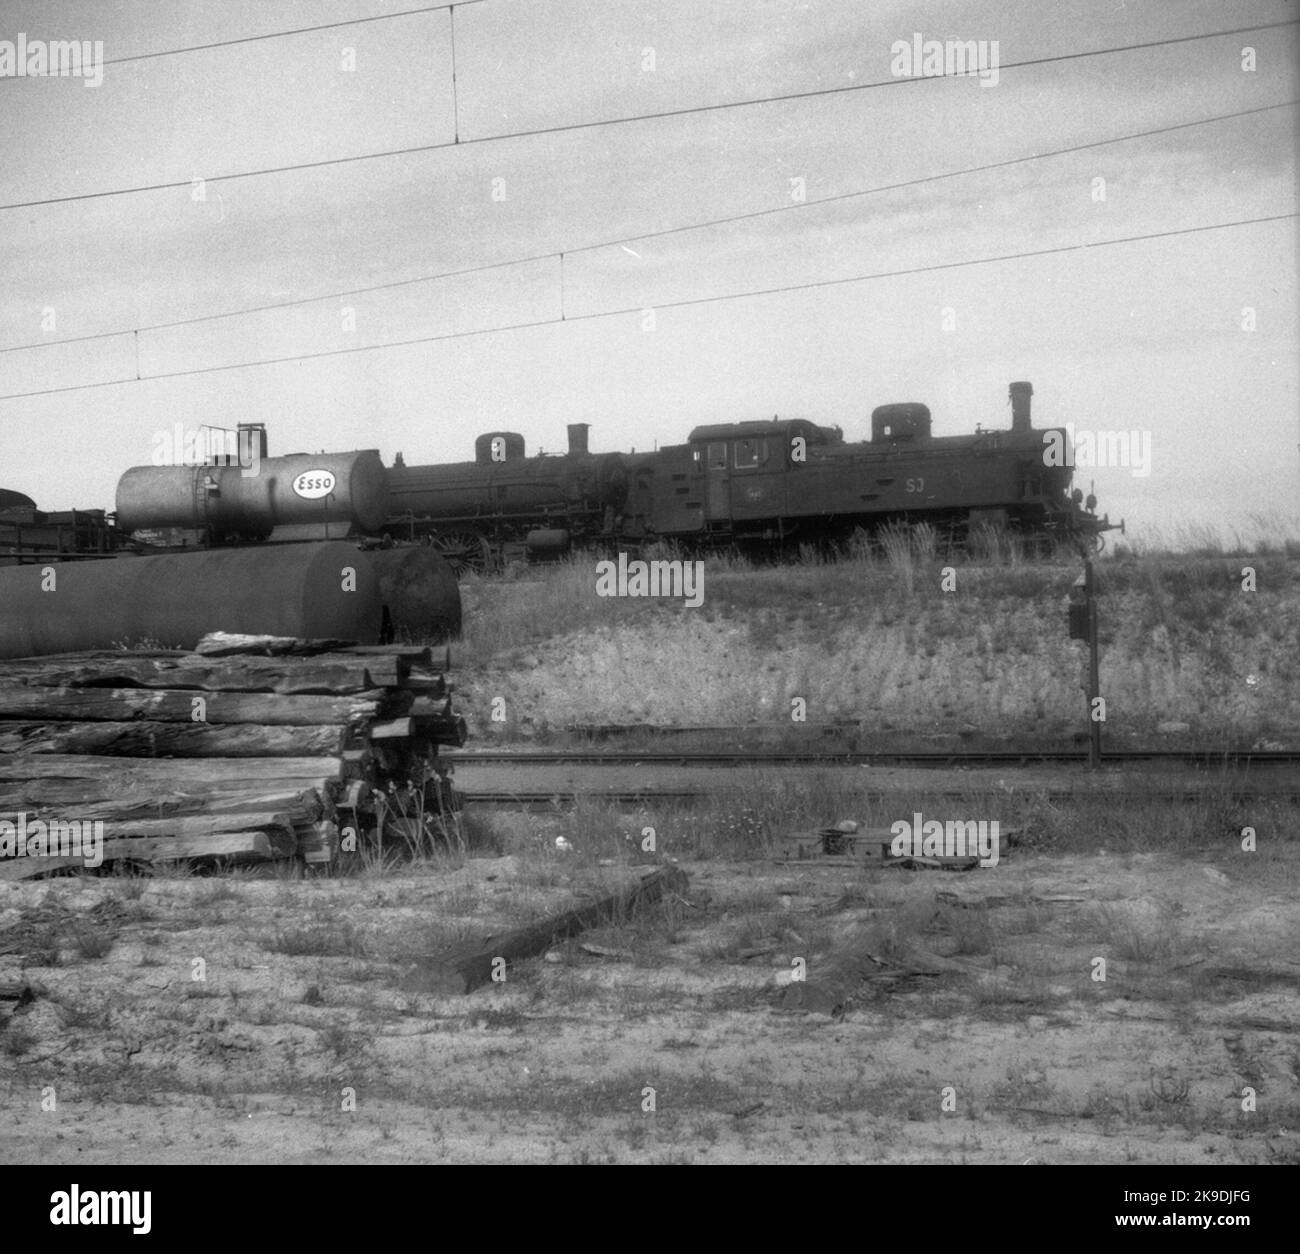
{"type": "Point", "coordinates": [45, 535]}
{"type": "Point", "coordinates": [301, 496]}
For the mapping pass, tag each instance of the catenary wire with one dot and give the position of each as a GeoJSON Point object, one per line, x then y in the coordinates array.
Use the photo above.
{"type": "Point", "coordinates": [675, 304]}
{"type": "Point", "coordinates": [570, 127]}
{"type": "Point", "coordinates": [275, 34]}
{"type": "Point", "coordinates": [630, 239]}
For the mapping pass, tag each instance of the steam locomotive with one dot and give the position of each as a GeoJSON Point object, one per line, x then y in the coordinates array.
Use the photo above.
{"type": "Point", "coordinates": [760, 486]}
{"type": "Point", "coordinates": [764, 487]}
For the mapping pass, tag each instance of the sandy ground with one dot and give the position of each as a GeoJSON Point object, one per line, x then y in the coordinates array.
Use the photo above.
{"type": "Point", "coordinates": [979, 1031]}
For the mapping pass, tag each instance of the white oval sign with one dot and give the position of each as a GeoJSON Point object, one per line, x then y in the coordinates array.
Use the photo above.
{"type": "Point", "coordinates": [314, 484]}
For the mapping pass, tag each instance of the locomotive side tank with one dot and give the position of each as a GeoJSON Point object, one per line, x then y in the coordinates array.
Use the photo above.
{"type": "Point", "coordinates": [792, 482]}
{"type": "Point", "coordinates": [302, 496]}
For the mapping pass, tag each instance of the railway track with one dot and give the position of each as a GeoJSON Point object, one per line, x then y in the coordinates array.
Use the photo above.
{"type": "Point", "coordinates": [543, 778]}
{"type": "Point", "coordinates": [1230, 758]}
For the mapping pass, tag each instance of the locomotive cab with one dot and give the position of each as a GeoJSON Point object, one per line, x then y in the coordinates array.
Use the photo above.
{"type": "Point", "coordinates": [741, 474]}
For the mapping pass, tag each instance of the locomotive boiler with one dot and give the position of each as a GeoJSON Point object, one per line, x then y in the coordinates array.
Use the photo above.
{"type": "Point", "coordinates": [505, 503]}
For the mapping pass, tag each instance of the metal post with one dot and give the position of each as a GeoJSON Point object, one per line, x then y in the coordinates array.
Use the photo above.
{"type": "Point", "coordinates": [1094, 675]}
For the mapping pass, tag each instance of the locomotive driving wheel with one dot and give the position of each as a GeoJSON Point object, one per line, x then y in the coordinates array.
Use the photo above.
{"type": "Point", "coordinates": [464, 551]}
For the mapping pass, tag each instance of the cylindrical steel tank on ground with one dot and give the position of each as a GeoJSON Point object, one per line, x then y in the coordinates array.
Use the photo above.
{"type": "Point", "coordinates": [306, 590]}
{"type": "Point", "coordinates": [419, 592]}
{"type": "Point", "coordinates": [10, 499]}
{"type": "Point", "coordinates": [344, 490]}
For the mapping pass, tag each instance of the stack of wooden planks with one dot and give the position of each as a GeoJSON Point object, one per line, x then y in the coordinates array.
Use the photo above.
{"type": "Point", "coordinates": [248, 748]}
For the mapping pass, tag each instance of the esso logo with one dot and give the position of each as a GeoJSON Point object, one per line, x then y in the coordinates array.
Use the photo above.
{"type": "Point", "coordinates": [314, 484]}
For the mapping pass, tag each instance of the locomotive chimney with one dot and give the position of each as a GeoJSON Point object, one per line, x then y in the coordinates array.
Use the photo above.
{"type": "Point", "coordinates": [578, 437]}
{"type": "Point", "coordinates": [1020, 394]}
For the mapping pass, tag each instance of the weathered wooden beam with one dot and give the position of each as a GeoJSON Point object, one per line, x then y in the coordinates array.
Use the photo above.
{"type": "Point", "coordinates": [426, 682]}
{"type": "Point", "coordinates": [391, 729]}
{"type": "Point", "coordinates": [387, 672]}
{"type": "Point", "coordinates": [141, 740]}
{"type": "Point", "coordinates": [469, 966]}
{"type": "Point", "coordinates": [259, 846]}
{"type": "Point", "coordinates": [417, 655]}
{"type": "Point", "coordinates": [328, 674]}
{"type": "Point", "coordinates": [832, 980]}
{"type": "Point", "coordinates": [65, 704]}
{"type": "Point", "coordinates": [318, 844]}
{"type": "Point", "coordinates": [177, 775]}
{"type": "Point", "coordinates": [442, 730]}
{"type": "Point", "coordinates": [93, 799]}
{"type": "Point", "coordinates": [177, 825]}
{"type": "Point", "coordinates": [230, 643]}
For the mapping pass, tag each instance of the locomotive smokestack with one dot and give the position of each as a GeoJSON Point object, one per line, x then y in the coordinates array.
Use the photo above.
{"type": "Point", "coordinates": [578, 437]}
{"type": "Point", "coordinates": [1020, 394]}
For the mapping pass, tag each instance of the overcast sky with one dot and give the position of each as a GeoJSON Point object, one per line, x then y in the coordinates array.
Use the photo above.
{"type": "Point", "coordinates": [1138, 336]}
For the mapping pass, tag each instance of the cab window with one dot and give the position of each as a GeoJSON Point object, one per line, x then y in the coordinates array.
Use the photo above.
{"type": "Point", "coordinates": [717, 457]}
{"type": "Point", "coordinates": [750, 453]}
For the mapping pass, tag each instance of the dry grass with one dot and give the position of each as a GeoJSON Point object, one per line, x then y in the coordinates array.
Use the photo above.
{"type": "Point", "coordinates": [877, 642]}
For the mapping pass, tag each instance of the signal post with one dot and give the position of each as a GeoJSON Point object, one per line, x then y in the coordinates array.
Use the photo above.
{"type": "Point", "coordinates": [1083, 626]}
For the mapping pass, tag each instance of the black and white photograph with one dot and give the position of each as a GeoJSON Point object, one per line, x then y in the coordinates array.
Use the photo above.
{"type": "Point", "coordinates": [650, 583]}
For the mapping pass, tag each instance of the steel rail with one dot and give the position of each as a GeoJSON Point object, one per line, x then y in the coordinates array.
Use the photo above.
{"type": "Point", "coordinates": [842, 757]}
